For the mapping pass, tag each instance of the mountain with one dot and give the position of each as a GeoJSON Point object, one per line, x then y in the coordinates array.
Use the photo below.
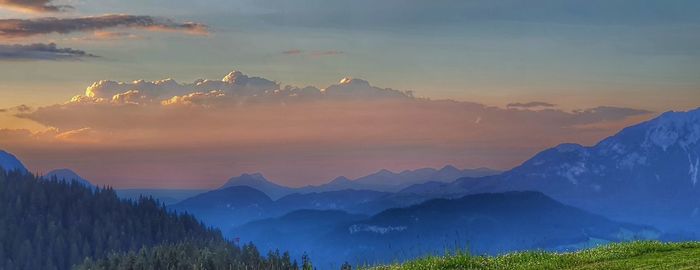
{"type": "Point", "coordinates": [646, 173]}
{"type": "Point", "coordinates": [258, 181]}
{"type": "Point", "coordinates": [294, 231]}
{"type": "Point", "coordinates": [226, 207]}
{"type": "Point", "coordinates": [68, 176]}
{"type": "Point", "coordinates": [166, 196]}
{"type": "Point", "coordinates": [481, 224]}
{"type": "Point", "coordinates": [383, 180]}
{"type": "Point", "coordinates": [9, 162]}
{"type": "Point", "coordinates": [348, 200]}
{"type": "Point", "coordinates": [388, 181]}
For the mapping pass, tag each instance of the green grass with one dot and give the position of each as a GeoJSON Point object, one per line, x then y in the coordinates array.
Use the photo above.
{"type": "Point", "coordinates": [633, 255]}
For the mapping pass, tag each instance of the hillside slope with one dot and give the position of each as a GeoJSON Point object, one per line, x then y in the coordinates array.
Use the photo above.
{"type": "Point", "coordinates": [483, 223]}
{"type": "Point", "coordinates": [8, 162]}
{"type": "Point", "coordinates": [644, 174]}
{"type": "Point", "coordinates": [634, 255]}
{"type": "Point", "coordinates": [54, 225]}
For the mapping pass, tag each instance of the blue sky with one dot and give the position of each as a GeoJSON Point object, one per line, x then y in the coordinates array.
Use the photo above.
{"type": "Point", "coordinates": [568, 52]}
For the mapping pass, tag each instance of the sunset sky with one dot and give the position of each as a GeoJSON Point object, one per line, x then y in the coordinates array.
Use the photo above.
{"type": "Point", "coordinates": [236, 86]}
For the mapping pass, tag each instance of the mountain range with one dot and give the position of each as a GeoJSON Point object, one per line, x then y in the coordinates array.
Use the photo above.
{"type": "Point", "coordinates": [383, 180]}
{"type": "Point", "coordinates": [479, 224]}
{"type": "Point", "coordinates": [646, 173]}
{"type": "Point", "coordinates": [236, 205]}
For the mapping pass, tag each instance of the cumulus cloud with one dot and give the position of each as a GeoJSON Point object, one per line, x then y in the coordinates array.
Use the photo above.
{"type": "Point", "coordinates": [41, 51]}
{"type": "Point", "coordinates": [235, 88]}
{"type": "Point", "coordinates": [529, 105]}
{"type": "Point", "coordinates": [207, 130]}
{"type": "Point", "coordinates": [34, 5]}
{"type": "Point", "coordinates": [19, 28]}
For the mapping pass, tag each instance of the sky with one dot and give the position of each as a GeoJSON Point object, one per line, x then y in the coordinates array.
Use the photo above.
{"type": "Point", "coordinates": [183, 94]}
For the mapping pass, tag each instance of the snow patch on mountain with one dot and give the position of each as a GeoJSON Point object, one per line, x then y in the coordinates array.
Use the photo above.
{"type": "Point", "coordinates": [663, 136]}
{"type": "Point", "coordinates": [694, 170]}
{"type": "Point", "coordinates": [631, 160]}
{"type": "Point", "coordinates": [675, 128]}
{"type": "Point", "coordinates": [572, 171]}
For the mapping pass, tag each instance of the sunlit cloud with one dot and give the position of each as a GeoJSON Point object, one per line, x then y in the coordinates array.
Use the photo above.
{"type": "Point", "coordinates": [110, 36]}
{"type": "Point", "coordinates": [37, 6]}
{"type": "Point", "coordinates": [529, 105]}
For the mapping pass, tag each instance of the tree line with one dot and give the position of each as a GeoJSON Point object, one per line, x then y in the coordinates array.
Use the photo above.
{"type": "Point", "coordinates": [56, 225]}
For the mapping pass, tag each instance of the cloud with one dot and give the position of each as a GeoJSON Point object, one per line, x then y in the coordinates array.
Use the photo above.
{"type": "Point", "coordinates": [605, 113]}
{"type": "Point", "coordinates": [22, 108]}
{"type": "Point", "coordinates": [111, 36]}
{"type": "Point", "coordinates": [34, 5]}
{"type": "Point", "coordinates": [40, 51]}
{"type": "Point", "coordinates": [292, 52]}
{"type": "Point", "coordinates": [528, 105]}
{"type": "Point", "coordinates": [314, 53]}
{"type": "Point", "coordinates": [82, 135]}
{"type": "Point", "coordinates": [234, 88]}
{"type": "Point", "coordinates": [208, 130]}
{"type": "Point", "coordinates": [20, 28]}
{"type": "Point", "coordinates": [326, 53]}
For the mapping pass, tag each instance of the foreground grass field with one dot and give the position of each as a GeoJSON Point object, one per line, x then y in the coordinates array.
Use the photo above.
{"type": "Point", "coordinates": [634, 255]}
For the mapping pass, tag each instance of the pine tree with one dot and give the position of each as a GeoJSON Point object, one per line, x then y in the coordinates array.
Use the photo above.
{"type": "Point", "coordinates": [306, 262]}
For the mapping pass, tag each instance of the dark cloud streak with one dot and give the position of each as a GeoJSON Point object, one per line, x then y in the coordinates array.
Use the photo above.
{"type": "Point", "coordinates": [19, 28]}
{"type": "Point", "coordinates": [40, 51]}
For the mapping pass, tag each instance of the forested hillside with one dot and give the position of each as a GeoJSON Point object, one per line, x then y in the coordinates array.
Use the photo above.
{"type": "Point", "coordinates": [56, 225]}
{"type": "Point", "coordinates": [188, 256]}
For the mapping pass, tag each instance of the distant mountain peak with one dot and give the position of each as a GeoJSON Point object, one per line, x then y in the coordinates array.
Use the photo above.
{"type": "Point", "coordinates": [248, 177]}
{"type": "Point", "coordinates": [256, 176]}
{"type": "Point", "coordinates": [259, 182]}
{"type": "Point", "coordinates": [384, 172]}
{"type": "Point", "coordinates": [340, 179]}
{"type": "Point", "coordinates": [569, 147]}
{"type": "Point", "coordinates": [682, 128]}
{"type": "Point", "coordinates": [449, 168]}
{"type": "Point", "coordinates": [64, 171]}
{"type": "Point", "coordinates": [9, 162]}
{"type": "Point", "coordinates": [69, 176]}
